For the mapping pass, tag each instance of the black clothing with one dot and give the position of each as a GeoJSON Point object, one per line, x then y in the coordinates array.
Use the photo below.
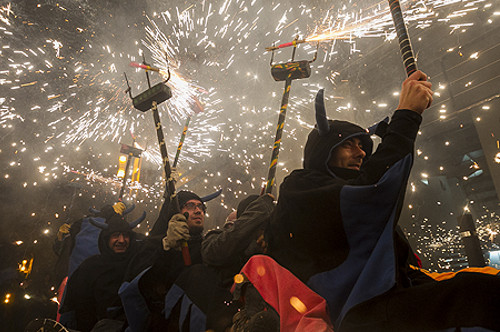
{"type": "Point", "coordinates": [243, 205]}
{"type": "Point", "coordinates": [93, 288]}
{"type": "Point", "coordinates": [165, 269]}
{"type": "Point", "coordinates": [227, 250]}
{"type": "Point", "coordinates": [336, 230]}
{"type": "Point", "coordinates": [307, 235]}
{"type": "Point", "coordinates": [467, 300]}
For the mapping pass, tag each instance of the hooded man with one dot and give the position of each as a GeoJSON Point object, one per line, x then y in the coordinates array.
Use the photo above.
{"type": "Point", "coordinates": [76, 242]}
{"type": "Point", "coordinates": [92, 290]}
{"type": "Point", "coordinates": [335, 229]}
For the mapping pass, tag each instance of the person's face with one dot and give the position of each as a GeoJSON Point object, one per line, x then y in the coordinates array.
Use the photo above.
{"type": "Point", "coordinates": [196, 217]}
{"type": "Point", "coordinates": [349, 155]}
{"type": "Point", "coordinates": [119, 242]}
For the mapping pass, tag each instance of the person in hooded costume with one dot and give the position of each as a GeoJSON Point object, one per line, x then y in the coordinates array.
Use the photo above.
{"type": "Point", "coordinates": [157, 266]}
{"type": "Point", "coordinates": [336, 229]}
{"type": "Point", "coordinates": [77, 241]}
{"type": "Point", "coordinates": [92, 290]}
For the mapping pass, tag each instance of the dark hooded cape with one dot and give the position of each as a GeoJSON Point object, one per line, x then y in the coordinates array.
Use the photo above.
{"type": "Point", "coordinates": [334, 229]}
{"type": "Point", "coordinates": [93, 288]}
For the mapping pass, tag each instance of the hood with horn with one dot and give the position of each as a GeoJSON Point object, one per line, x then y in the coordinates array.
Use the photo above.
{"type": "Point", "coordinates": [108, 210]}
{"type": "Point", "coordinates": [327, 135]}
{"type": "Point", "coordinates": [115, 224]}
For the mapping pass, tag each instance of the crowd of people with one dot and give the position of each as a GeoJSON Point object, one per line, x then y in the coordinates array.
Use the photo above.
{"type": "Point", "coordinates": [328, 255]}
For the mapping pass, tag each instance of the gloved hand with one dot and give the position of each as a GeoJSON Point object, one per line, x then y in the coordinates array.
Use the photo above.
{"type": "Point", "coordinates": [177, 232]}
{"type": "Point", "coordinates": [63, 230]}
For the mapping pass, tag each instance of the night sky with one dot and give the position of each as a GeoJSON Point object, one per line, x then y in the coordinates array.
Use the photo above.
{"type": "Point", "coordinates": [64, 110]}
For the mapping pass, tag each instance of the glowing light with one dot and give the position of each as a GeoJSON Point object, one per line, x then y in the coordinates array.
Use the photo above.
{"type": "Point", "coordinates": [298, 305]}
{"type": "Point", "coordinates": [261, 270]}
{"type": "Point", "coordinates": [497, 158]}
{"type": "Point", "coordinates": [239, 278]}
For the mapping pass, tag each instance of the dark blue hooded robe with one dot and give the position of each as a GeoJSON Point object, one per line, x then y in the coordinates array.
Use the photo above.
{"type": "Point", "coordinates": [334, 228]}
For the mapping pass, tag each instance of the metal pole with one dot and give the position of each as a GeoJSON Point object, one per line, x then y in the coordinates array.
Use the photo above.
{"type": "Point", "coordinates": [271, 177]}
{"type": "Point", "coordinates": [404, 40]}
{"type": "Point", "coordinates": [170, 182]}
{"type": "Point", "coordinates": [181, 142]}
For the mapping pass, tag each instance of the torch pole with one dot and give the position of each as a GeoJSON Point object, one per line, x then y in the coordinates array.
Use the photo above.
{"type": "Point", "coordinates": [271, 177]}
{"type": "Point", "coordinates": [181, 142]}
{"type": "Point", "coordinates": [174, 203]}
{"type": "Point", "coordinates": [404, 40]}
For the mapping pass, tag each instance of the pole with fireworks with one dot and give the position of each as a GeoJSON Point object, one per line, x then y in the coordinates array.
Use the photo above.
{"type": "Point", "coordinates": [197, 108]}
{"type": "Point", "coordinates": [287, 72]}
{"type": "Point", "coordinates": [149, 100]}
{"type": "Point", "coordinates": [131, 152]}
{"type": "Point", "coordinates": [181, 142]}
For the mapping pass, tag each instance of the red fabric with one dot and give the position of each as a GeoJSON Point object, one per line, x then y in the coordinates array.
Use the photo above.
{"type": "Point", "coordinates": [299, 308]}
{"type": "Point", "coordinates": [60, 292]}
{"type": "Point", "coordinates": [419, 261]}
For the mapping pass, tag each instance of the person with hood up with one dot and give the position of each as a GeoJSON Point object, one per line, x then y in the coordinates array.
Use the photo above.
{"type": "Point", "coordinates": [336, 229]}
{"type": "Point", "coordinates": [92, 290]}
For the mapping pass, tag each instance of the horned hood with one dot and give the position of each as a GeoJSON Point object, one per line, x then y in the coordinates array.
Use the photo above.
{"type": "Point", "coordinates": [327, 135]}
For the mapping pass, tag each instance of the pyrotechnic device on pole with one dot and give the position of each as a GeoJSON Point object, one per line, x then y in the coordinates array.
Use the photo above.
{"type": "Point", "coordinates": [287, 72]}
{"type": "Point", "coordinates": [131, 152]}
{"type": "Point", "coordinates": [404, 40]}
{"type": "Point", "coordinates": [181, 143]}
{"type": "Point", "coordinates": [150, 99]}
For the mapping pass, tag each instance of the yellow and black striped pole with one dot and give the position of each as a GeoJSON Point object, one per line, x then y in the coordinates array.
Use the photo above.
{"type": "Point", "coordinates": [271, 177]}
{"type": "Point", "coordinates": [287, 72]}
{"type": "Point", "coordinates": [168, 175]}
{"type": "Point", "coordinates": [181, 142]}
{"type": "Point", "coordinates": [149, 100]}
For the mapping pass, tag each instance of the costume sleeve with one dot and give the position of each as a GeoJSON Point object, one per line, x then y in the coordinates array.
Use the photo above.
{"type": "Point", "coordinates": [222, 248]}
{"type": "Point", "coordinates": [397, 143]}
{"type": "Point", "coordinates": [79, 298]}
{"type": "Point", "coordinates": [161, 224]}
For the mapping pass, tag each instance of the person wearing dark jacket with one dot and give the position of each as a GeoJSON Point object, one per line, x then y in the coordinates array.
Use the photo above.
{"type": "Point", "coordinates": [83, 236]}
{"type": "Point", "coordinates": [92, 290]}
{"type": "Point", "coordinates": [161, 257]}
{"type": "Point", "coordinates": [228, 249]}
{"type": "Point", "coordinates": [335, 228]}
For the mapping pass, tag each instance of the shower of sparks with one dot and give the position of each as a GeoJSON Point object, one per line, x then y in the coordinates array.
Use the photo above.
{"type": "Point", "coordinates": [64, 110]}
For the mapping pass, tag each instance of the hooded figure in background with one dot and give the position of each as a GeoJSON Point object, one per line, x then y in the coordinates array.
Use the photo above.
{"type": "Point", "coordinates": [92, 290]}
{"type": "Point", "coordinates": [78, 241]}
